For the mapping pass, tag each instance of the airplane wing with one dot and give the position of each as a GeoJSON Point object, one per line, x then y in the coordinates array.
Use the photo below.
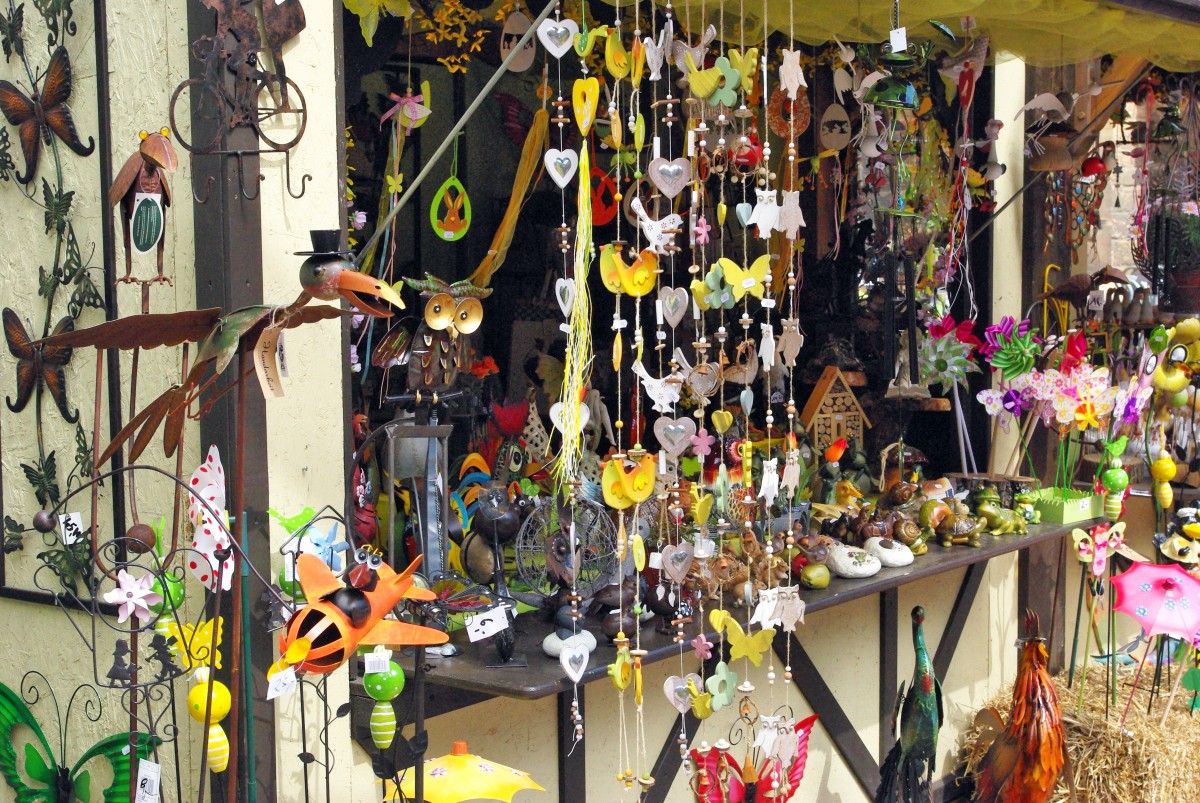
{"type": "Point", "coordinates": [317, 580]}
{"type": "Point", "coordinates": [392, 633]}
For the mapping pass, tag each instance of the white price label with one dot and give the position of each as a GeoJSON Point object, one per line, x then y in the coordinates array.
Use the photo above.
{"type": "Point", "coordinates": [72, 527]}
{"type": "Point", "coordinates": [377, 661]}
{"type": "Point", "coordinates": [149, 777]}
{"type": "Point", "coordinates": [282, 683]}
{"type": "Point", "coordinates": [488, 623]}
{"type": "Point", "coordinates": [899, 37]}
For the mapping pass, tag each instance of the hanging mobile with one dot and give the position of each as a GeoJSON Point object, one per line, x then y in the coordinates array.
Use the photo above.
{"type": "Point", "coordinates": [450, 212]}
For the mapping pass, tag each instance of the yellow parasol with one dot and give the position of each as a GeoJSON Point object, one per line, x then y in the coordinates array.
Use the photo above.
{"type": "Point", "coordinates": [462, 776]}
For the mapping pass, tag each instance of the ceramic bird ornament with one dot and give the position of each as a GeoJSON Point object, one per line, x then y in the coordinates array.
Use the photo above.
{"type": "Point", "coordinates": [145, 174]}
{"type": "Point", "coordinates": [765, 214]}
{"type": "Point", "coordinates": [768, 487]}
{"type": "Point", "coordinates": [920, 718]}
{"type": "Point", "coordinates": [791, 74]}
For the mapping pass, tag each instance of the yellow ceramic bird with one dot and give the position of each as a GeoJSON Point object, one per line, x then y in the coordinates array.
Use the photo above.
{"type": "Point", "coordinates": [846, 494]}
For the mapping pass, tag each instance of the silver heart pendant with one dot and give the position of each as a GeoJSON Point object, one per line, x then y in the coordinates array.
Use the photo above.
{"type": "Point", "coordinates": [674, 435]}
{"type": "Point", "coordinates": [557, 36]}
{"type": "Point", "coordinates": [676, 560]}
{"type": "Point", "coordinates": [670, 177]}
{"type": "Point", "coordinates": [561, 165]}
{"type": "Point", "coordinates": [674, 302]}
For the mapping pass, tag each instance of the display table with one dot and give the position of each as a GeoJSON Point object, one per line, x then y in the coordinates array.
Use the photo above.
{"type": "Point", "coordinates": [467, 679]}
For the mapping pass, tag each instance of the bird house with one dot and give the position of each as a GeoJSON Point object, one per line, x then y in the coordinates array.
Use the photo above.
{"type": "Point", "coordinates": [833, 411]}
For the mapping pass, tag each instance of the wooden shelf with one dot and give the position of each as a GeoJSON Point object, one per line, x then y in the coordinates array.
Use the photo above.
{"type": "Point", "coordinates": [544, 676]}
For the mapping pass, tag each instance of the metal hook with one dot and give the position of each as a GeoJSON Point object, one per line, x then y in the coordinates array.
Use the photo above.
{"type": "Point", "coordinates": [242, 179]}
{"type": "Point", "coordinates": [287, 167]}
{"type": "Point", "coordinates": [208, 182]}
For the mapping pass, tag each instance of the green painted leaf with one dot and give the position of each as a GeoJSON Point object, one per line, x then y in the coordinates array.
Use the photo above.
{"type": "Point", "coordinates": [1191, 679]}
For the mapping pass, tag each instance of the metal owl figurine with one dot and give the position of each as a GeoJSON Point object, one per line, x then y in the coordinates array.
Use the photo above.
{"type": "Point", "coordinates": [441, 344]}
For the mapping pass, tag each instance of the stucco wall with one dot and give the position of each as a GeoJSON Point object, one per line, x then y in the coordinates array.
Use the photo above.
{"type": "Point", "coordinates": [148, 57]}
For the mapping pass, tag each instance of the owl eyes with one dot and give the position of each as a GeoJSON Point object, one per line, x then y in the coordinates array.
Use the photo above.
{"type": "Point", "coordinates": [443, 312]}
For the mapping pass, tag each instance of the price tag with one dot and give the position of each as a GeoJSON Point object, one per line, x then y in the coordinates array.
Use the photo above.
{"type": "Point", "coordinates": [72, 528]}
{"type": "Point", "coordinates": [282, 683]}
{"type": "Point", "coordinates": [149, 777]}
{"type": "Point", "coordinates": [488, 623]}
{"type": "Point", "coordinates": [378, 661]}
{"type": "Point", "coordinates": [899, 37]}
{"type": "Point", "coordinates": [266, 363]}
{"type": "Point", "coordinates": [654, 560]}
{"type": "Point", "coordinates": [1085, 504]}
{"type": "Point", "coordinates": [146, 222]}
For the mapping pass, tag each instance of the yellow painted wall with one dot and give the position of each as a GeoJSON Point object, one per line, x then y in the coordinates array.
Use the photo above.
{"type": "Point", "coordinates": [148, 57]}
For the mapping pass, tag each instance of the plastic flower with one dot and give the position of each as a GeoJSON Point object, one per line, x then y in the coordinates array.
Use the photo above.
{"type": "Point", "coordinates": [484, 368]}
{"type": "Point", "coordinates": [963, 332]}
{"type": "Point", "coordinates": [702, 443]}
{"type": "Point", "coordinates": [701, 230]}
{"type": "Point", "coordinates": [1085, 416]}
{"type": "Point", "coordinates": [1011, 348]}
{"type": "Point", "coordinates": [720, 294]}
{"type": "Point", "coordinates": [359, 220]}
{"type": "Point", "coordinates": [134, 596]}
{"type": "Point", "coordinates": [945, 361]}
{"type": "Point", "coordinates": [998, 334]}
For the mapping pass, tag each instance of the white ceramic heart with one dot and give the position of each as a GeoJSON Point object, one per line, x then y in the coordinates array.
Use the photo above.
{"type": "Point", "coordinates": [674, 434]}
{"type": "Point", "coordinates": [564, 293]}
{"type": "Point", "coordinates": [561, 165]}
{"type": "Point", "coordinates": [574, 661]}
{"type": "Point", "coordinates": [670, 176]}
{"type": "Point", "coordinates": [678, 694]}
{"type": "Point", "coordinates": [674, 304]}
{"type": "Point", "coordinates": [556, 416]}
{"type": "Point", "coordinates": [676, 560]}
{"type": "Point", "coordinates": [747, 400]}
{"type": "Point", "coordinates": [557, 36]}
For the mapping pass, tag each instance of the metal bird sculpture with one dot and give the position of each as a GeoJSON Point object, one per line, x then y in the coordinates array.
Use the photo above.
{"type": "Point", "coordinates": [921, 717]}
{"type": "Point", "coordinates": [144, 173]}
{"type": "Point", "coordinates": [325, 275]}
{"type": "Point", "coordinates": [1024, 760]}
{"type": "Point", "coordinates": [1075, 289]}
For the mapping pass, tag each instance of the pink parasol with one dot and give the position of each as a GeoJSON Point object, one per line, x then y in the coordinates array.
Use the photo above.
{"type": "Point", "coordinates": [1164, 599]}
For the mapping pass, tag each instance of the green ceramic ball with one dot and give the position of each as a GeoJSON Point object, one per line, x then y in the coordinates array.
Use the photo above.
{"type": "Point", "coordinates": [1115, 480]}
{"type": "Point", "coordinates": [815, 575]}
{"type": "Point", "coordinates": [170, 588]}
{"type": "Point", "coordinates": [384, 686]}
{"type": "Point", "coordinates": [1179, 399]}
{"type": "Point", "coordinates": [290, 588]}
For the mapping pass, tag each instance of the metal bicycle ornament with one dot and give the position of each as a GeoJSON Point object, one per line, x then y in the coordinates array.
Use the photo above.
{"type": "Point", "coordinates": [236, 88]}
{"type": "Point", "coordinates": [595, 549]}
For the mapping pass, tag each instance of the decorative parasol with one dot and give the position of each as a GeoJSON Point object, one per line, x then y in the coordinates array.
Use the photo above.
{"type": "Point", "coordinates": [463, 776]}
{"type": "Point", "coordinates": [1164, 599]}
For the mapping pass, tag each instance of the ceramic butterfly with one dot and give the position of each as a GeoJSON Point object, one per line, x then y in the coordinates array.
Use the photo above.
{"type": "Point", "coordinates": [750, 280]}
{"type": "Point", "coordinates": [741, 645]}
{"type": "Point", "coordinates": [746, 65]}
{"type": "Point", "coordinates": [1098, 544]}
{"type": "Point", "coordinates": [45, 112]}
{"type": "Point", "coordinates": [38, 776]}
{"type": "Point", "coordinates": [193, 645]}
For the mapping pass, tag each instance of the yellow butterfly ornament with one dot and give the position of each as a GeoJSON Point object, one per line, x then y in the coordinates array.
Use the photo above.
{"type": "Point", "coordinates": [193, 645]}
{"type": "Point", "coordinates": [750, 280]}
{"type": "Point", "coordinates": [740, 645]}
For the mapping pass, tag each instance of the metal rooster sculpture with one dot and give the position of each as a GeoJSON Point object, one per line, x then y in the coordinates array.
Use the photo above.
{"type": "Point", "coordinates": [921, 717]}
{"type": "Point", "coordinates": [144, 173]}
{"type": "Point", "coordinates": [1023, 761]}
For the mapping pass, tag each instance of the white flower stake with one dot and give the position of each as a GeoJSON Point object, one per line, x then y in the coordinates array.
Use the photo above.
{"type": "Point", "coordinates": [133, 596]}
{"type": "Point", "coordinates": [209, 533]}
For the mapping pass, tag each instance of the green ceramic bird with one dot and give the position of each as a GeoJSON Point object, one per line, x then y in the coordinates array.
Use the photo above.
{"type": "Point", "coordinates": [920, 714]}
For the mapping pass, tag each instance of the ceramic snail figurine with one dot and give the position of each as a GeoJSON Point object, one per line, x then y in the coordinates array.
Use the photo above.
{"type": "Point", "coordinates": [908, 532]}
{"type": "Point", "coordinates": [900, 494]}
{"type": "Point", "coordinates": [999, 520]}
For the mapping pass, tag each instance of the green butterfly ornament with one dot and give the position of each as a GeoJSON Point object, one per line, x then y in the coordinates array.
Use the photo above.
{"type": "Point", "coordinates": [34, 774]}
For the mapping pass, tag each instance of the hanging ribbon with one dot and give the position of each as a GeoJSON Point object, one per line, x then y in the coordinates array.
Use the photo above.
{"type": "Point", "coordinates": [411, 106]}
{"type": "Point", "coordinates": [531, 158]}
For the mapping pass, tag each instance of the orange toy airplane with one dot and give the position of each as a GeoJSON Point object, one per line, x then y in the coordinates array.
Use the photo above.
{"type": "Point", "coordinates": [340, 618]}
